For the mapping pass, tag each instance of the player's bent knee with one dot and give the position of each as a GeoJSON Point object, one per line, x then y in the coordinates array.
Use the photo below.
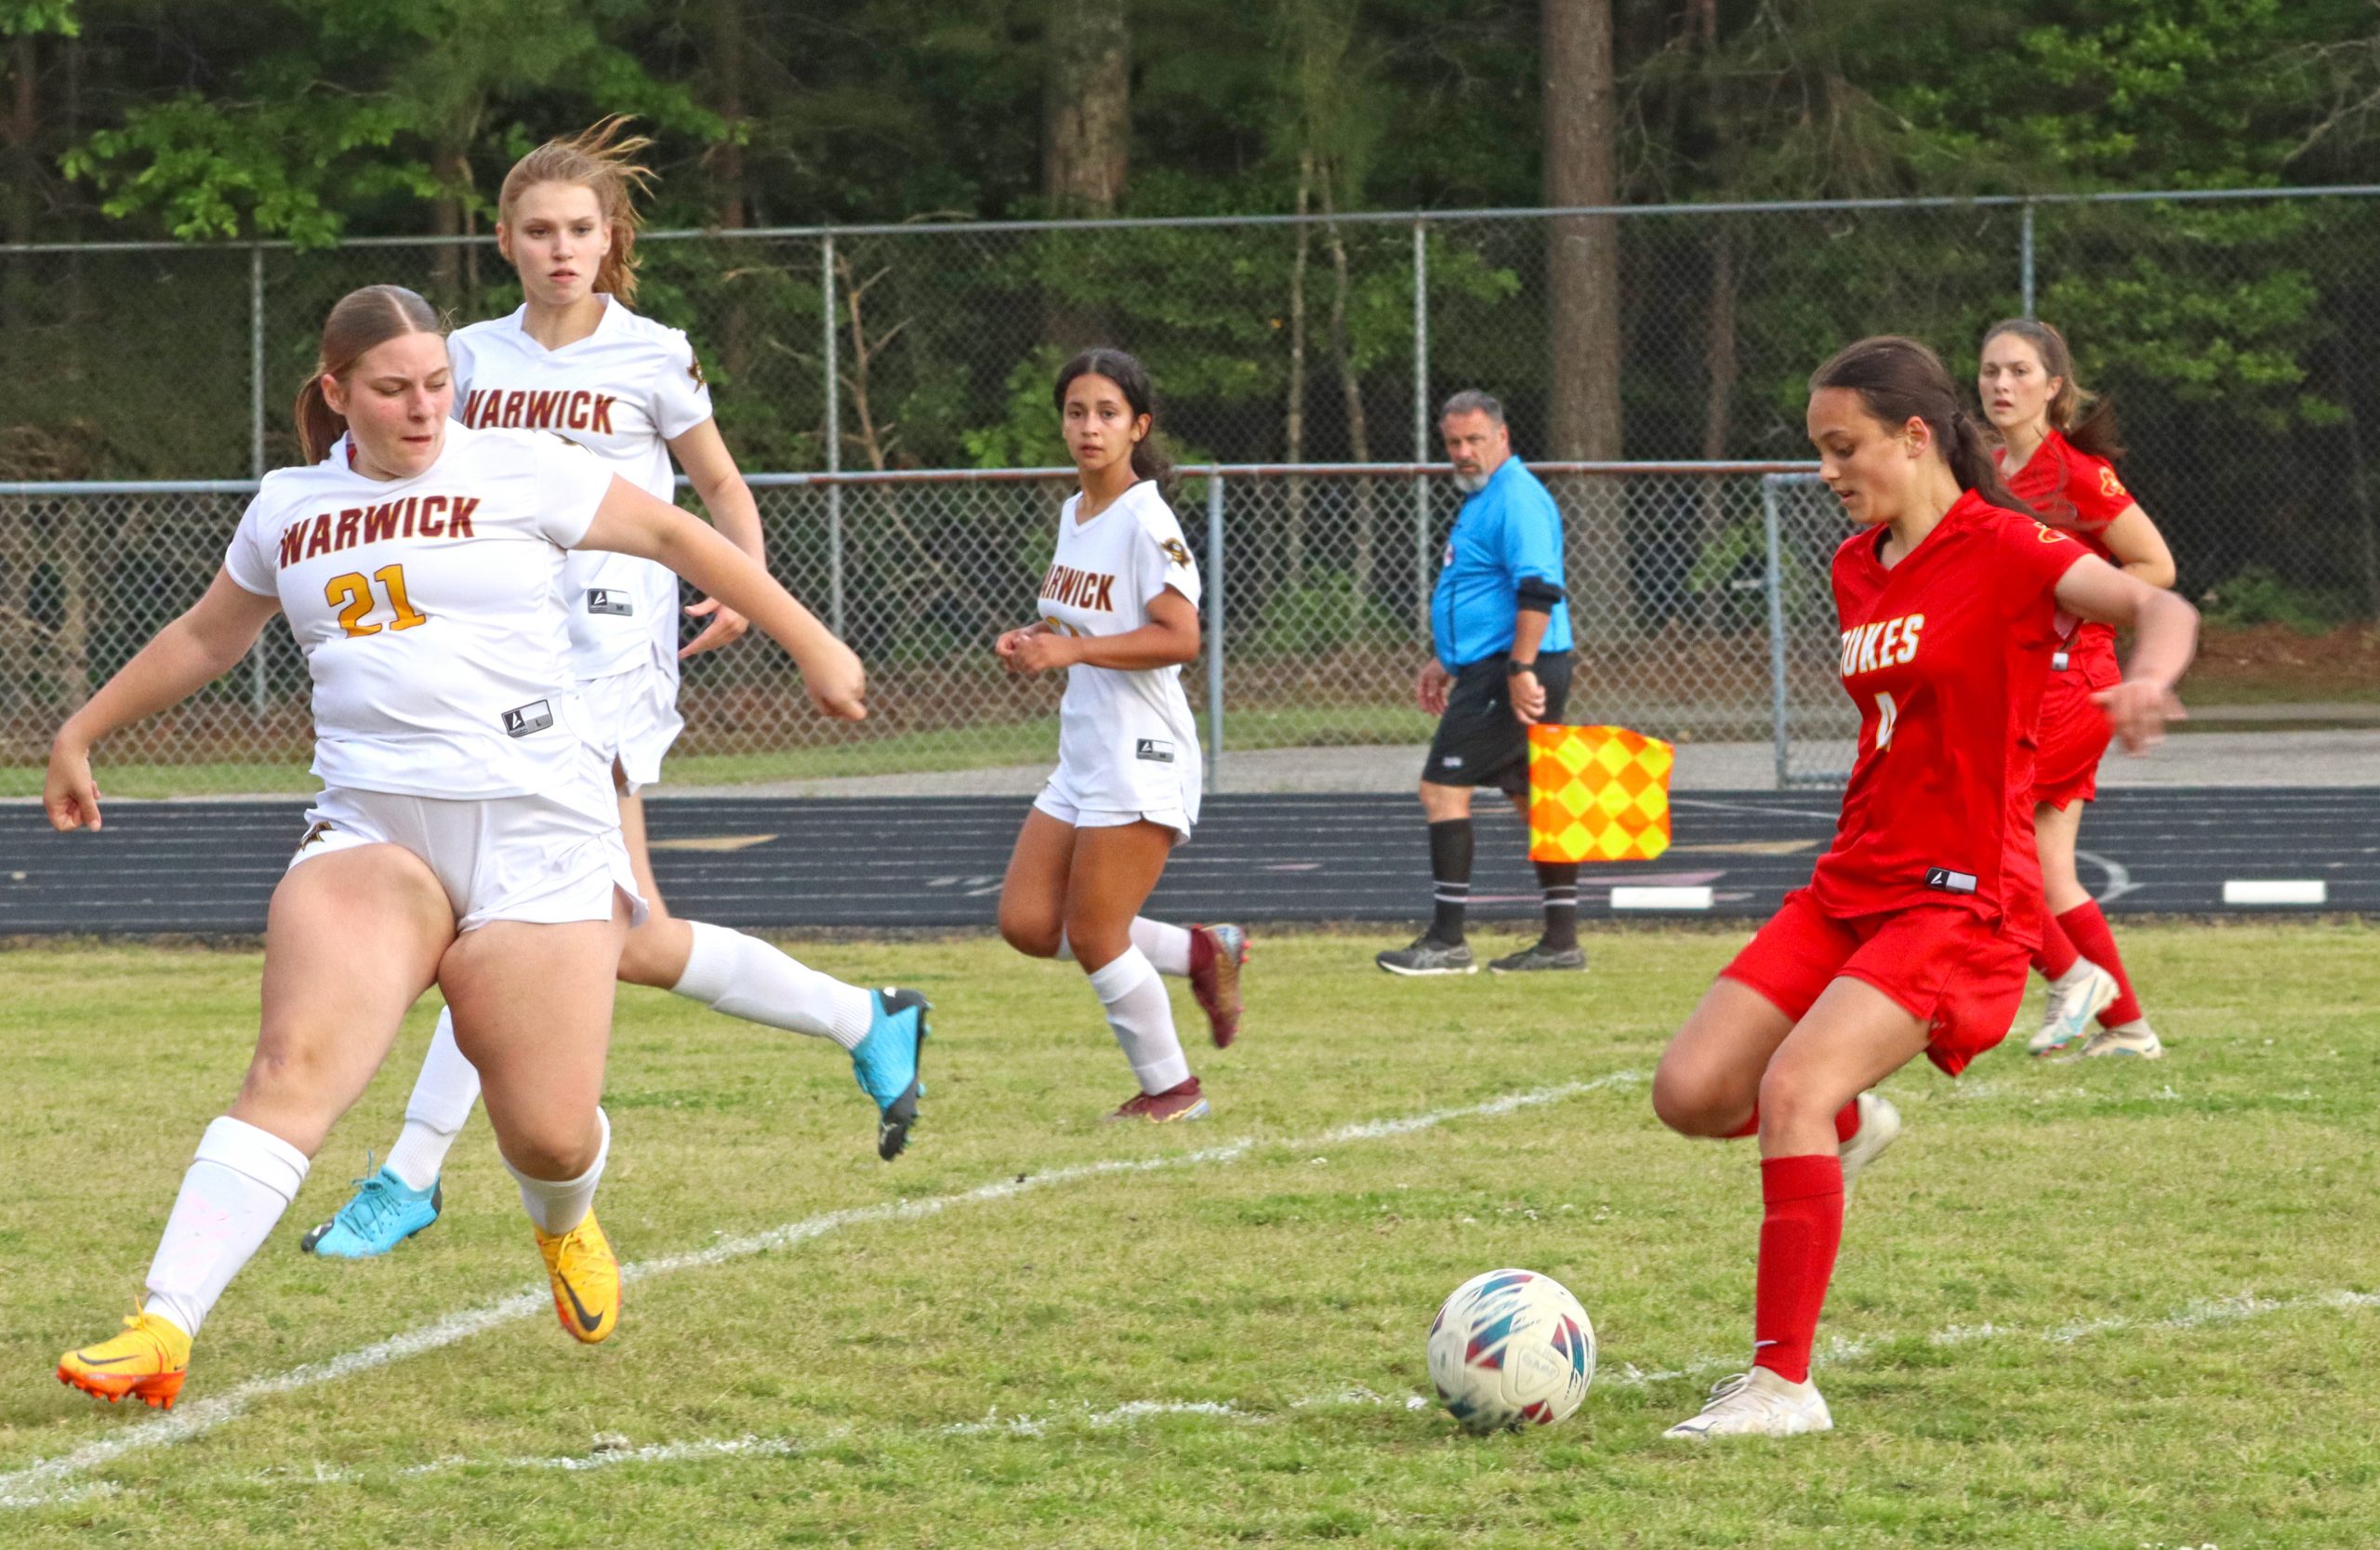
{"type": "Point", "coordinates": [1034, 936]}
{"type": "Point", "coordinates": [1697, 1105]}
{"type": "Point", "coordinates": [555, 1147]}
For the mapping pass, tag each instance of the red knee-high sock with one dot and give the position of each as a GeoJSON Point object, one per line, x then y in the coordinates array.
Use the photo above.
{"type": "Point", "coordinates": [2089, 930]}
{"type": "Point", "coordinates": [1847, 1123]}
{"type": "Point", "coordinates": [1799, 1234]}
{"type": "Point", "coordinates": [2057, 954]}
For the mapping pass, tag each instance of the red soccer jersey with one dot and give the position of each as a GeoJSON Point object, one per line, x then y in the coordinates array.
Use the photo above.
{"type": "Point", "coordinates": [1944, 654]}
{"type": "Point", "coordinates": [2079, 494]}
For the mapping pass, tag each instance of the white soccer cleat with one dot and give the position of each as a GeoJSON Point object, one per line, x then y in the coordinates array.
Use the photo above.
{"type": "Point", "coordinates": [2070, 1004]}
{"type": "Point", "coordinates": [1758, 1403]}
{"type": "Point", "coordinates": [2135, 1038]}
{"type": "Point", "coordinates": [1879, 1128]}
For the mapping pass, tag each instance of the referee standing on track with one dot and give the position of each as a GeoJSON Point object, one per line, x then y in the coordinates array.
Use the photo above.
{"type": "Point", "coordinates": [1502, 665]}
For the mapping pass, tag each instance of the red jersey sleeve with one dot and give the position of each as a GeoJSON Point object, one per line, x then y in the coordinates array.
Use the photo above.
{"type": "Point", "coordinates": [2093, 490]}
{"type": "Point", "coordinates": [2033, 557]}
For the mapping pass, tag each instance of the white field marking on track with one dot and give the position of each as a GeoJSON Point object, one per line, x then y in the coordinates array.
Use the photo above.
{"type": "Point", "coordinates": [610, 1453]}
{"type": "Point", "coordinates": [2119, 876]}
{"type": "Point", "coordinates": [34, 1483]}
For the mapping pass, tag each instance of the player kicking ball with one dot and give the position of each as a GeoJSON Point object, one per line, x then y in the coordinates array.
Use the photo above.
{"type": "Point", "coordinates": [1915, 933]}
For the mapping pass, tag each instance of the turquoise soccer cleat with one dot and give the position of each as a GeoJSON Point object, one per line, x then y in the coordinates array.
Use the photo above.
{"type": "Point", "coordinates": [382, 1214]}
{"type": "Point", "coordinates": [886, 1064]}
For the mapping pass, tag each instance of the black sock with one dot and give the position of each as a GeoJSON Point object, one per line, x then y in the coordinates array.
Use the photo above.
{"type": "Point", "coordinates": [1450, 870]}
{"type": "Point", "coordinates": [1559, 883]}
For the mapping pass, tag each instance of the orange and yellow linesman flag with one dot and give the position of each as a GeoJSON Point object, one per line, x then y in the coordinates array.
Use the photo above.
{"type": "Point", "coordinates": [1598, 793]}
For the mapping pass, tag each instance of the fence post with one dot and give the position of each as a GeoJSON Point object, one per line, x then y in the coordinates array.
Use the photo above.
{"type": "Point", "coordinates": [1215, 630]}
{"type": "Point", "coordinates": [255, 445]}
{"type": "Point", "coordinates": [1422, 423]}
{"type": "Point", "coordinates": [2025, 255]}
{"type": "Point", "coordinates": [1776, 628]}
{"type": "Point", "coordinates": [834, 435]}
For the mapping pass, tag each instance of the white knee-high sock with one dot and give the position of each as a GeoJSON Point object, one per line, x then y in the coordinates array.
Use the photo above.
{"type": "Point", "coordinates": [1167, 947]}
{"type": "Point", "coordinates": [237, 1186]}
{"type": "Point", "coordinates": [744, 977]}
{"type": "Point", "coordinates": [559, 1205]}
{"type": "Point", "coordinates": [442, 1098]}
{"type": "Point", "coordinates": [1142, 1016]}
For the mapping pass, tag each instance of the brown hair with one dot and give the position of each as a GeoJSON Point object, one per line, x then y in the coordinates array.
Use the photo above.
{"type": "Point", "coordinates": [1149, 460]}
{"type": "Point", "coordinates": [361, 321]}
{"type": "Point", "coordinates": [597, 158]}
{"type": "Point", "coordinates": [1898, 379]}
{"type": "Point", "coordinates": [2087, 420]}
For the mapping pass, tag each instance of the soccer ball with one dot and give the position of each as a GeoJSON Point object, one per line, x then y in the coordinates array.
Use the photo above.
{"type": "Point", "coordinates": [1510, 1348]}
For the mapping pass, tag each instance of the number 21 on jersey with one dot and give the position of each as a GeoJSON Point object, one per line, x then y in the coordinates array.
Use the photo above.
{"type": "Point", "coordinates": [352, 595]}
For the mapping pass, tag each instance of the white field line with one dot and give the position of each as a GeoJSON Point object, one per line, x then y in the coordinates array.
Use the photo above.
{"type": "Point", "coordinates": [609, 1453]}
{"type": "Point", "coordinates": [37, 1483]}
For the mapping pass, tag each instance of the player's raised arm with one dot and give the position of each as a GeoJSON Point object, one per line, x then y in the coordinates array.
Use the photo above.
{"type": "Point", "coordinates": [194, 650]}
{"type": "Point", "coordinates": [630, 521]}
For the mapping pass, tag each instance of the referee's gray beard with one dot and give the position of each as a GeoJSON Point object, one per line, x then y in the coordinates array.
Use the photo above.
{"type": "Point", "coordinates": [1471, 484]}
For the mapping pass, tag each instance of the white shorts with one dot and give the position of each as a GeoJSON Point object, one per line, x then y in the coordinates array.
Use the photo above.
{"type": "Point", "coordinates": [529, 858]}
{"type": "Point", "coordinates": [633, 717]}
{"type": "Point", "coordinates": [1057, 798]}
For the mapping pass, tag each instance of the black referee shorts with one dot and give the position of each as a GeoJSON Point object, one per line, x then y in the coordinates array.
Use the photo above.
{"type": "Point", "coordinates": [1479, 742]}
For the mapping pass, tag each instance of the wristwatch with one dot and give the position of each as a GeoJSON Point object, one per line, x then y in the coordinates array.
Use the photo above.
{"type": "Point", "coordinates": [1513, 666]}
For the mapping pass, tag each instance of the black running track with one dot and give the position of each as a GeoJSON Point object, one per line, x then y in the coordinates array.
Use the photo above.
{"type": "Point", "coordinates": [913, 862]}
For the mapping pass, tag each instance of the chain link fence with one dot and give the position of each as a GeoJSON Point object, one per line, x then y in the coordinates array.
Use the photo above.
{"type": "Point", "coordinates": [1318, 583]}
{"type": "Point", "coordinates": [2237, 330]}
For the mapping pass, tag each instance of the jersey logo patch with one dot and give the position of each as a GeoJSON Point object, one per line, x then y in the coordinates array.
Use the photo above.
{"type": "Point", "coordinates": [2110, 485]}
{"type": "Point", "coordinates": [2048, 535]}
{"type": "Point", "coordinates": [522, 719]}
{"type": "Point", "coordinates": [1157, 750]}
{"type": "Point", "coordinates": [610, 599]}
{"type": "Point", "coordinates": [1175, 552]}
{"type": "Point", "coordinates": [695, 368]}
{"type": "Point", "coordinates": [1946, 880]}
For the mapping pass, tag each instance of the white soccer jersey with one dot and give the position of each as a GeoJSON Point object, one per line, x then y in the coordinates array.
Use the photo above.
{"type": "Point", "coordinates": [430, 612]}
{"type": "Point", "coordinates": [622, 392]}
{"type": "Point", "coordinates": [1126, 741]}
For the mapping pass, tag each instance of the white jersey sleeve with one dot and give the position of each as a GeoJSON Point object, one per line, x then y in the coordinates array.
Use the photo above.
{"type": "Point", "coordinates": [680, 396]}
{"type": "Point", "coordinates": [1163, 560]}
{"type": "Point", "coordinates": [458, 362]}
{"type": "Point", "coordinates": [248, 560]}
{"type": "Point", "coordinates": [574, 481]}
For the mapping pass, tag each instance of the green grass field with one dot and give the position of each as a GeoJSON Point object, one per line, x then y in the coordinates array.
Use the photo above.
{"type": "Point", "coordinates": [2078, 1307]}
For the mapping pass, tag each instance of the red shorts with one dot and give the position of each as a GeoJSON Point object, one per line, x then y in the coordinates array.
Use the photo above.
{"type": "Point", "coordinates": [2073, 735]}
{"type": "Point", "coordinates": [1945, 966]}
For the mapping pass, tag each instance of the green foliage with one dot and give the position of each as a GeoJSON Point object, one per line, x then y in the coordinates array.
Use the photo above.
{"type": "Point", "coordinates": [2255, 595]}
{"type": "Point", "coordinates": [1328, 613]}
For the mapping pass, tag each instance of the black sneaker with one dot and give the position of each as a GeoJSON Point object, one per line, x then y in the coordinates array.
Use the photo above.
{"type": "Point", "coordinates": [1429, 956]}
{"type": "Point", "coordinates": [1537, 955]}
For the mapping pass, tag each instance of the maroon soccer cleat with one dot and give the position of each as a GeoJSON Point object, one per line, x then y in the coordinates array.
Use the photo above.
{"type": "Point", "coordinates": [1184, 1101]}
{"type": "Point", "coordinates": [1216, 954]}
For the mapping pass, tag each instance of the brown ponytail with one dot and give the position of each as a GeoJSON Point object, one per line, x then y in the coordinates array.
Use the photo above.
{"type": "Point", "coordinates": [1897, 380]}
{"type": "Point", "coordinates": [598, 158]}
{"type": "Point", "coordinates": [2087, 420]}
{"type": "Point", "coordinates": [361, 321]}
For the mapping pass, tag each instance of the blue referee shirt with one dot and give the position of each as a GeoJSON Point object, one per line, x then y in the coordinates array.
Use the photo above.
{"type": "Point", "coordinates": [1507, 532]}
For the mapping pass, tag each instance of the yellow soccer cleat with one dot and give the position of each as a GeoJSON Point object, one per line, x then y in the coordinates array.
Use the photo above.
{"type": "Point", "coordinates": [586, 1276]}
{"type": "Point", "coordinates": [150, 1358]}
